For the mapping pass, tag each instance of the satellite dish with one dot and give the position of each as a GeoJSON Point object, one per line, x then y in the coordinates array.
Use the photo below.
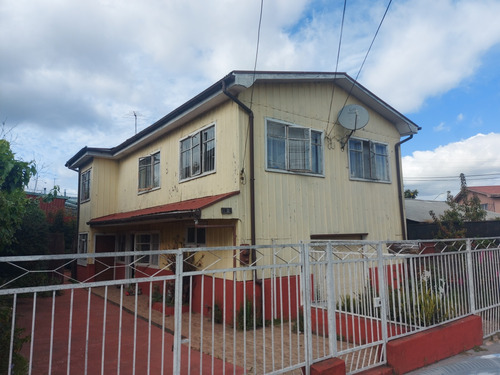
{"type": "Point", "coordinates": [353, 117]}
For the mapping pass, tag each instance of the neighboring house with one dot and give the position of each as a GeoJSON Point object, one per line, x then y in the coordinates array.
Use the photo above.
{"type": "Point", "coordinates": [68, 205]}
{"type": "Point", "coordinates": [257, 158]}
{"type": "Point", "coordinates": [489, 196]}
{"type": "Point", "coordinates": [420, 223]}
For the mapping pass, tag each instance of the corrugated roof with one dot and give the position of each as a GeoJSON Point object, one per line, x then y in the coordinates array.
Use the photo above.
{"type": "Point", "coordinates": [186, 208]}
{"type": "Point", "coordinates": [492, 191]}
{"type": "Point", "coordinates": [418, 210]}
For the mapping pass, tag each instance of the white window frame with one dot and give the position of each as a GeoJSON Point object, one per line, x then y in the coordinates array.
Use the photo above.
{"type": "Point", "coordinates": [190, 152]}
{"type": "Point", "coordinates": [154, 182]}
{"type": "Point", "coordinates": [370, 173]}
{"type": "Point", "coordinates": [309, 146]}
{"type": "Point", "coordinates": [196, 243]}
{"type": "Point", "coordinates": [147, 260]}
{"type": "Point", "coordinates": [83, 247]}
{"type": "Point", "coordinates": [85, 185]}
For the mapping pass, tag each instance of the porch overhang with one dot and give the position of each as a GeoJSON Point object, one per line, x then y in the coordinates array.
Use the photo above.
{"type": "Point", "coordinates": [184, 210]}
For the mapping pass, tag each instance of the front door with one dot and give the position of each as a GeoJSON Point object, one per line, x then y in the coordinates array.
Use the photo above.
{"type": "Point", "coordinates": [104, 266]}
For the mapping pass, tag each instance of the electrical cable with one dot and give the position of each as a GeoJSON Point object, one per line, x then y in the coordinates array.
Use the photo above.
{"type": "Point", "coordinates": [336, 68]}
{"type": "Point", "coordinates": [256, 51]}
{"type": "Point", "coordinates": [368, 51]}
{"type": "Point", "coordinates": [253, 84]}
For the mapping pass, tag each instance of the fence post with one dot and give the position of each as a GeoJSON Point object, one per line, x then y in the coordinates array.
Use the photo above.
{"type": "Point", "coordinates": [382, 279]}
{"type": "Point", "coordinates": [179, 263]}
{"type": "Point", "coordinates": [331, 301]}
{"type": "Point", "coordinates": [306, 277]}
{"type": "Point", "coordinates": [470, 271]}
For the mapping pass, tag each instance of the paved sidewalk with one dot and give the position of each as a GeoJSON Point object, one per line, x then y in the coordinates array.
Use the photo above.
{"type": "Point", "coordinates": [490, 346]}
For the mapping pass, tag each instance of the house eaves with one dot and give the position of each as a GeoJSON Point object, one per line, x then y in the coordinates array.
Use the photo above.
{"type": "Point", "coordinates": [236, 82]}
{"type": "Point", "coordinates": [189, 209]}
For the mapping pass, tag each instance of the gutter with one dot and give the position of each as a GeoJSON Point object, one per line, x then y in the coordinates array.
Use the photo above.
{"type": "Point", "coordinates": [397, 150]}
{"type": "Point", "coordinates": [252, 158]}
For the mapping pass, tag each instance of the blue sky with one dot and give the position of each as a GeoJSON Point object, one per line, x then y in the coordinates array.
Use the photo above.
{"type": "Point", "coordinates": [71, 72]}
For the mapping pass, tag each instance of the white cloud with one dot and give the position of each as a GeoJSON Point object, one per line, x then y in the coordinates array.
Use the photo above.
{"type": "Point", "coordinates": [442, 127]}
{"type": "Point", "coordinates": [72, 71]}
{"type": "Point", "coordinates": [460, 117]}
{"type": "Point", "coordinates": [436, 171]}
{"type": "Point", "coordinates": [427, 47]}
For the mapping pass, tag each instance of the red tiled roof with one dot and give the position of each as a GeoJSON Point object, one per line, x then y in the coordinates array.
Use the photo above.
{"type": "Point", "coordinates": [183, 208]}
{"type": "Point", "coordinates": [487, 190]}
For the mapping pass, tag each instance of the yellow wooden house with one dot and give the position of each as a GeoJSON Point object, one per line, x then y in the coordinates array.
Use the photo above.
{"type": "Point", "coordinates": [256, 158]}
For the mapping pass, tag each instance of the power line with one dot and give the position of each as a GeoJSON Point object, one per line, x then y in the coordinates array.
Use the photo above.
{"type": "Point", "coordinates": [485, 176]}
{"type": "Point", "coordinates": [367, 53]}
{"type": "Point", "coordinates": [373, 40]}
{"type": "Point", "coordinates": [256, 50]}
{"type": "Point", "coordinates": [336, 68]}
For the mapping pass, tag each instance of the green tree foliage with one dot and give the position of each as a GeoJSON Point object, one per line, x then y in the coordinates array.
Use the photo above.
{"type": "Point", "coordinates": [19, 363]}
{"type": "Point", "coordinates": [31, 237]}
{"type": "Point", "coordinates": [14, 177]}
{"type": "Point", "coordinates": [451, 222]}
{"type": "Point", "coordinates": [411, 194]}
{"type": "Point", "coordinates": [59, 223]}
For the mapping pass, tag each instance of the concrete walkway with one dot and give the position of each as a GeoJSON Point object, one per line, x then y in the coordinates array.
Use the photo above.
{"type": "Point", "coordinates": [490, 346]}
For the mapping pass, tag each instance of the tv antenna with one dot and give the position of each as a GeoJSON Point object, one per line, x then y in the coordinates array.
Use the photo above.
{"type": "Point", "coordinates": [135, 114]}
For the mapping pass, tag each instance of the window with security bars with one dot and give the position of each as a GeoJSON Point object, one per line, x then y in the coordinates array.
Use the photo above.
{"type": "Point", "coordinates": [85, 186]}
{"type": "Point", "coordinates": [294, 148]}
{"type": "Point", "coordinates": [147, 242]}
{"type": "Point", "coordinates": [368, 160]}
{"type": "Point", "coordinates": [149, 172]}
{"type": "Point", "coordinates": [82, 247]}
{"type": "Point", "coordinates": [198, 153]}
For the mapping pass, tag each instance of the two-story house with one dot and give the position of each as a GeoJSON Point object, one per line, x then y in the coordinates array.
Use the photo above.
{"type": "Point", "coordinates": [257, 158]}
{"type": "Point", "coordinates": [489, 196]}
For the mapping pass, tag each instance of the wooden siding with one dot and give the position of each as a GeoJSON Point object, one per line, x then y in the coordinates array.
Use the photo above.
{"type": "Point", "coordinates": [289, 207]}
{"type": "Point", "coordinates": [292, 207]}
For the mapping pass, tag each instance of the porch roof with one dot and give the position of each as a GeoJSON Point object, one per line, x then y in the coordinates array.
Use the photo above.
{"type": "Point", "coordinates": [188, 209]}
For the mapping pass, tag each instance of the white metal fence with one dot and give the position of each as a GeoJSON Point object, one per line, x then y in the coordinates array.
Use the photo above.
{"type": "Point", "coordinates": [263, 309]}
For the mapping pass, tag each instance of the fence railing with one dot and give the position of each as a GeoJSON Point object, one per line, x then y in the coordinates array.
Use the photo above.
{"type": "Point", "coordinates": [262, 309]}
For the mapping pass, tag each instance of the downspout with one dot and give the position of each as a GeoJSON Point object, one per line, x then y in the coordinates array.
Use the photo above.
{"type": "Point", "coordinates": [74, 267]}
{"type": "Point", "coordinates": [397, 150]}
{"type": "Point", "coordinates": [252, 157]}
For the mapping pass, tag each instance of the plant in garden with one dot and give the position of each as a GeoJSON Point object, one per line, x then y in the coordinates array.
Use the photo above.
{"type": "Point", "coordinates": [218, 314]}
{"type": "Point", "coordinates": [190, 263]}
{"type": "Point", "coordinates": [19, 363]}
{"type": "Point", "coordinates": [451, 222]}
{"type": "Point", "coordinates": [14, 177]}
{"type": "Point", "coordinates": [247, 315]}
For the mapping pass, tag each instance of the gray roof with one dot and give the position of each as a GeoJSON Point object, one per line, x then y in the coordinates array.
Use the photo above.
{"type": "Point", "coordinates": [418, 210]}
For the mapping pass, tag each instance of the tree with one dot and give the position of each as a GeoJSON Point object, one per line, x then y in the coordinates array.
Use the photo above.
{"type": "Point", "coordinates": [451, 222]}
{"type": "Point", "coordinates": [31, 237]}
{"type": "Point", "coordinates": [14, 177]}
{"type": "Point", "coordinates": [411, 194]}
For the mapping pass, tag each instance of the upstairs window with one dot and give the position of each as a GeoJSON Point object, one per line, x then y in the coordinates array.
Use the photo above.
{"type": "Point", "coordinates": [149, 172]}
{"type": "Point", "coordinates": [198, 153]}
{"type": "Point", "coordinates": [85, 186]}
{"type": "Point", "coordinates": [294, 149]}
{"type": "Point", "coordinates": [368, 160]}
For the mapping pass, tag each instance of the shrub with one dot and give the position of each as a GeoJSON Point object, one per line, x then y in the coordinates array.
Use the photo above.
{"type": "Point", "coordinates": [19, 363]}
{"type": "Point", "coordinates": [218, 315]}
{"type": "Point", "coordinates": [245, 317]}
